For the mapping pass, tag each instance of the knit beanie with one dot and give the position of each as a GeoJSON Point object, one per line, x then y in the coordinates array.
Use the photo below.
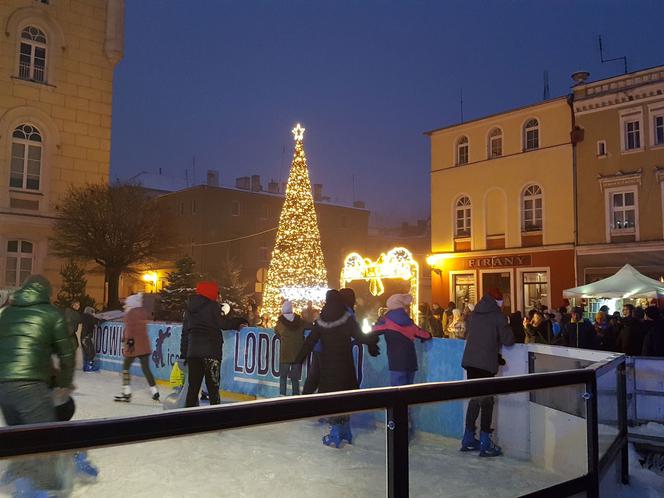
{"type": "Point", "coordinates": [397, 301]}
{"type": "Point", "coordinates": [287, 311]}
{"type": "Point", "coordinates": [208, 289]}
{"type": "Point", "coordinates": [495, 293]}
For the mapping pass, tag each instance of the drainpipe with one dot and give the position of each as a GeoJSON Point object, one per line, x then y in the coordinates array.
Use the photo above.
{"type": "Point", "coordinates": [574, 138]}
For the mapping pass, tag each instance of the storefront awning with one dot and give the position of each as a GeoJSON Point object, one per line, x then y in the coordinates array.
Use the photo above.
{"type": "Point", "coordinates": [625, 284]}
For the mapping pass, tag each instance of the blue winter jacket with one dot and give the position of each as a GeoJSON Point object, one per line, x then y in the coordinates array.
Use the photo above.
{"type": "Point", "coordinates": [401, 355]}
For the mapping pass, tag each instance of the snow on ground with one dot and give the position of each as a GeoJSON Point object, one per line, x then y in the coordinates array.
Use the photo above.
{"type": "Point", "coordinates": [288, 459]}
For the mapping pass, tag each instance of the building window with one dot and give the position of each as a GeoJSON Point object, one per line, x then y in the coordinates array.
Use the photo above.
{"type": "Point", "coordinates": [623, 212]}
{"type": "Point", "coordinates": [464, 292]}
{"type": "Point", "coordinates": [535, 287]}
{"type": "Point", "coordinates": [632, 135]}
{"type": "Point", "coordinates": [265, 212]}
{"type": "Point", "coordinates": [659, 130]}
{"type": "Point", "coordinates": [531, 135]}
{"type": "Point", "coordinates": [19, 262]}
{"type": "Point", "coordinates": [193, 206]}
{"type": "Point", "coordinates": [462, 217]}
{"type": "Point", "coordinates": [181, 208]}
{"type": "Point", "coordinates": [532, 209]}
{"type": "Point", "coordinates": [631, 125]}
{"type": "Point", "coordinates": [601, 148]}
{"type": "Point", "coordinates": [26, 158]}
{"type": "Point", "coordinates": [235, 208]}
{"type": "Point", "coordinates": [263, 254]}
{"type": "Point", "coordinates": [495, 143]}
{"type": "Point", "coordinates": [32, 56]}
{"type": "Point", "coordinates": [462, 151]}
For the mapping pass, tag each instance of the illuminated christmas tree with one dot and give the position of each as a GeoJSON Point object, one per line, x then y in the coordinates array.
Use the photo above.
{"type": "Point", "coordinates": [297, 270]}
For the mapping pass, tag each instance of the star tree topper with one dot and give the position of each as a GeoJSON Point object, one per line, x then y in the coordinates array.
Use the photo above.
{"type": "Point", "coordinates": [298, 132]}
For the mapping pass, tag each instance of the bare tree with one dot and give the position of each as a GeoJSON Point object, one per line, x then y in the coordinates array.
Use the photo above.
{"type": "Point", "coordinates": [116, 226]}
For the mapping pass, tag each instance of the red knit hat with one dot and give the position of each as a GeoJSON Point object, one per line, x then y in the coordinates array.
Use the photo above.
{"type": "Point", "coordinates": [495, 293]}
{"type": "Point", "coordinates": [208, 289]}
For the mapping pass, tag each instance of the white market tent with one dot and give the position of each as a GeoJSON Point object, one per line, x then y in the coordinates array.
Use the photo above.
{"type": "Point", "coordinates": [627, 283]}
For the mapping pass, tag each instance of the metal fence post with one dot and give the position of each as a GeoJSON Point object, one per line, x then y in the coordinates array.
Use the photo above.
{"type": "Point", "coordinates": [622, 421]}
{"type": "Point", "coordinates": [592, 436]}
{"type": "Point", "coordinates": [397, 450]}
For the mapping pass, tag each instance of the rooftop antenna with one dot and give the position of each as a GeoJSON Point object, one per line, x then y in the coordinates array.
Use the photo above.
{"type": "Point", "coordinates": [461, 102]}
{"type": "Point", "coordinates": [545, 94]}
{"type": "Point", "coordinates": [193, 170]}
{"type": "Point", "coordinates": [601, 55]}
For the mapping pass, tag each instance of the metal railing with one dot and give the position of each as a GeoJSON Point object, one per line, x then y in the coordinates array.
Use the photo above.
{"type": "Point", "coordinates": [41, 438]}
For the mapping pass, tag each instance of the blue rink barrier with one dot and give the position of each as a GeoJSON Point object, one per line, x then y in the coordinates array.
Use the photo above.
{"type": "Point", "coordinates": [250, 366]}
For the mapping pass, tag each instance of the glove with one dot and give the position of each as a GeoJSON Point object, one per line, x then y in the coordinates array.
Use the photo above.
{"type": "Point", "coordinates": [374, 350]}
{"type": "Point", "coordinates": [501, 360]}
{"type": "Point", "coordinates": [130, 343]}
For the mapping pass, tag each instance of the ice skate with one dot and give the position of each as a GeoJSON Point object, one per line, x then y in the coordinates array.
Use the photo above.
{"type": "Point", "coordinates": [345, 433]}
{"type": "Point", "coordinates": [154, 392]}
{"type": "Point", "coordinates": [155, 396]}
{"type": "Point", "coordinates": [487, 448]}
{"type": "Point", "coordinates": [124, 397]}
{"type": "Point", "coordinates": [84, 468]}
{"type": "Point", "coordinates": [24, 488]}
{"type": "Point", "coordinates": [334, 437]}
{"type": "Point", "coordinates": [469, 441]}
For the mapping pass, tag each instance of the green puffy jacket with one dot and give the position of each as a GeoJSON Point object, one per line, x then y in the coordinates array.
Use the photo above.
{"type": "Point", "coordinates": [31, 330]}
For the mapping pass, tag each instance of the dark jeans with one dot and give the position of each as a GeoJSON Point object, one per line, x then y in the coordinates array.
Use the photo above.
{"type": "Point", "coordinates": [145, 366]}
{"type": "Point", "coordinates": [31, 402]}
{"type": "Point", "coordinates": [313, 375]}
{"type": "Point", "coordinates": [197, 368]}
{"type": "Point", "coordinates": [292, 370]}
{"type": "Point", "coordinates": [401, 377]}
{"type": "Point", "coordinates": [88, 347]}
{"type": "Point", "coordinates": [475, 405]}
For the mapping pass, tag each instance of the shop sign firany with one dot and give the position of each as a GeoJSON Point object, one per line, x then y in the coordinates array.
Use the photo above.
{"type": "Point", "coordinates": [500, 261]}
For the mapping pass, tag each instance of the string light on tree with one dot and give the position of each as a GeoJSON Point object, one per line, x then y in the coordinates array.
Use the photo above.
{"type": "Point", "coordinates": [297, 269]}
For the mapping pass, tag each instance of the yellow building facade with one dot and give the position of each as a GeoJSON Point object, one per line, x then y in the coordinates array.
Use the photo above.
{"type": "Point", "coordinates": [502, 211]}
{"type": "Point", "coordinates": [56, 82]}
{"type": "Point", "coordinates": [620, 174]}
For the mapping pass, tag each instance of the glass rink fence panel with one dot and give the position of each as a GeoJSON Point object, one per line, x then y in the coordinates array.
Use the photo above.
{"type": "Point", "coordinates": [278, 460]}
{"type": "Point", "coordinates": [536, 446]}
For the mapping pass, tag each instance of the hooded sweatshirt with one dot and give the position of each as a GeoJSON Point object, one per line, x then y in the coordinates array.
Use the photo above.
{"type": "Point", "coordinates": [202, 329]}
{"type": "Point", "coordinates": [486, 331]}
{"type": "Point", "coordinates": [400, 332]}
{"type": "Point", "coordinates": [31, 330]}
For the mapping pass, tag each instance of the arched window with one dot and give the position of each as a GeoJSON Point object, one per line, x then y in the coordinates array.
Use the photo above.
{"type": "Point", "coordinates": [462, 217]}
{"type": "Point", "coordinates": [19, 260]}
{"type": "Point", "coordinates": [531, 134]}
{"type": "Point", "coordinates": [532, 208]}
{"type": "Point", "coordinates": [32, 56]}
{"type": "Point", "coordinates": [495, 143]}
{"type": "Point", "coordinates": [462, 151]}
{"type": "Point", "coordinates": [25, 171]}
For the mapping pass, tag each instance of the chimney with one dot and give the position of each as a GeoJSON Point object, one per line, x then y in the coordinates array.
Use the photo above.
{"type": "Point", "coordinates": [359, 204]}
{"type": "Point", "coordinates": [273, 187]}
{"type": "Point", "coordinates": [212, 178]}
{"type": "Point", "coordinates": [318, 192]}
{"type": "Point", "coordinates": [242, 182]}
{"type": "Point", "coordinates": [256, 183]}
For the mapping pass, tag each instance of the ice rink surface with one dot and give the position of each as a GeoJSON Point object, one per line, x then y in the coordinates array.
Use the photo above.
{"type": "Point", "coordinates": [289, 460]}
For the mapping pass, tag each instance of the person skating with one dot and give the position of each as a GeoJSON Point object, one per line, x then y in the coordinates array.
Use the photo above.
{"type": "Point", "coordinates": [136, 344]}
{"type": "Point", "coordinates": [88, 323]}
{"type": "Point", "coordinates": [487, 331]}
{"type": "Point", "coordinates": [32, 330]}
{"type": "Point", "coordinates": [202, 341]}
{"type": "Point", "coordinates": [290, 329]}
{"type": "Point", "coordinates": [400, 333]}
{"type": "Point", "coordinates": [336, 329]}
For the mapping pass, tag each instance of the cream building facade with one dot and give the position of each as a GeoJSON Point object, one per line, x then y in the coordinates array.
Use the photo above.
{"type": "Point", "coordinates": [56, 83]}
{"type": "Point", "coordinates": [502, 211]}
{"type": "Point", "coordinates": [620, 174]}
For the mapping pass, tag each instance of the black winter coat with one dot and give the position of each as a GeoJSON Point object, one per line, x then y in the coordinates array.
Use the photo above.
{"type": "Point", "coordinates": [653, 344]}
{"type": "Point", "coordinates": [337, 370]}
{"type": "Point", "coordinates": [201, 329]}
{"type": "Point", "coordinates": [585, 338]}
{"type": "Point", "coordinates": [630, 337]}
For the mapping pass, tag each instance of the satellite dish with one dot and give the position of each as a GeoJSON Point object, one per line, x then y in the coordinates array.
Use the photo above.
{"type": "Point", "coordinates": [580, 77]}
